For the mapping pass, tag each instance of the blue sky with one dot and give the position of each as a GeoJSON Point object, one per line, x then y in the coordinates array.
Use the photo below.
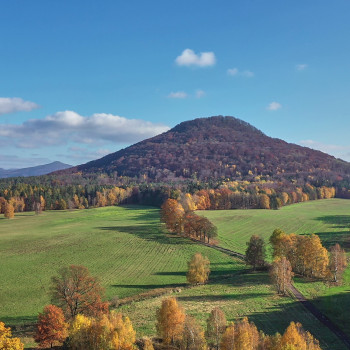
{"type": "Point", "coordinates": [80, 79]}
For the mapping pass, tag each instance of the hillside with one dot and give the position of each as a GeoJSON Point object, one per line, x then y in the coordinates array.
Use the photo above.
{"type": "Point", "coordinates": [215, 147]}
{"type": "Point", "coordinates": [34, 171]}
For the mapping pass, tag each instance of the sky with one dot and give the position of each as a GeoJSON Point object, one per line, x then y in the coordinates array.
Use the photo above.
{"type": "Point", "coordinates": [81, 79]}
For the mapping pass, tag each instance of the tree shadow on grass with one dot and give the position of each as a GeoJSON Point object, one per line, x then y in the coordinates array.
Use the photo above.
{"type": "Point", "coordinates": [340, 221]}
{"type": "Point", "coordinates": [149, 233]}
{"type": "Point", "coordinates": [331, 238]}
{"type": "Point", "coordinates": [221, 297]}
{"type": "Point", "coordinates": [149, 286]}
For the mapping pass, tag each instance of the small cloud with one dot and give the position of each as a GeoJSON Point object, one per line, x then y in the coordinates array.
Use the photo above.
{"type": "Point", "coordinates": [248, 74]}
{"type": "Point", "coordinates": [190, 58]}
{"type": "Point", "coordinates": [274, 106]}
{"type": "Point", "coordinates": [15, 104]}
{"type": "Point", "coordinates": [234, 72]}
{"type": "Point", "coordinates": [200, 93]}
{"type": "Point", "coordinates": [178, 94]}
{"type": "Point", "coordinates": [300, 67]}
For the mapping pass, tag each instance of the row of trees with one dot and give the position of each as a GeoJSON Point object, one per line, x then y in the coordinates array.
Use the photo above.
{"type": "Point", "coordinates": [185, 222]}
{"type": "Point", "coordinates": [181, 331]}
{"type": "Point", "coordinates": [293, 253]}
{"type": "Point", "coordinates": [308, 257]}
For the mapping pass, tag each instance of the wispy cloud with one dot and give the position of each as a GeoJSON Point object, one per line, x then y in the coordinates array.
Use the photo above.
{"type": "Point", "coordinates": [200, 93]}
{"type": "Point", "coordinates": [274, 106]}
{"type": "Point", "coordinates": [85, 154]}
{"type": "Point", "coordinates": [15, 104]}
{"type": "Point", "coordinates": [178, 94]}
{"type": "Point", "coordinates": [190, 58]}
{"type": "Point", "coordinates": [234, 72]}
{"type": "Point", "coordinates": [300, 67]}
{"type": "Point", "coordinates": [62, 127]}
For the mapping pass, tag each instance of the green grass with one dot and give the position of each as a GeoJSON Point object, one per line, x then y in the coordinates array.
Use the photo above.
{"type": "Point", "coordinates": [329, 218]}
{"type": "Point", "coordinates": [248, 295]}
{"type": "Point", "coordinates": [124, 246]}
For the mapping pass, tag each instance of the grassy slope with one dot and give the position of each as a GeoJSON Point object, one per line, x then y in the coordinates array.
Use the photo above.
{"type": "Point", "coordinates": [242, 295]}
{"type": "Point", "coordinates": [124, 246]}
{"type": "Point", "coordinates": [330, 219]}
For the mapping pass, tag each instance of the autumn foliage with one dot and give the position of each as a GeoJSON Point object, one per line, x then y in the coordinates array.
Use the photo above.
{"type": "Point", "coordinates": [77, 292]}
{"type": "Point", "coordinates": [256, 252]}
{"type": "Point", "coordinates": [198, 269]}
{"type": "Point", "coordinates": [51, 328]}
{"type": "Point", "coordinates": [108, 332]}
{"type": "Point", "coordinates": [281, 274]}
{"type": "Point", "coordinates": [7, 342]}
{"type": "Point", "coordinates": [170, 321]}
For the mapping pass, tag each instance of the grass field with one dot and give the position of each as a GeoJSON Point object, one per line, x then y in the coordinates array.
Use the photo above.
{"type": "Point", "coordinates": [242, 295]}
{"type": "Point", "coordinates": [330, 219]}
{"type": "Point", "coordinates": [124, 246]}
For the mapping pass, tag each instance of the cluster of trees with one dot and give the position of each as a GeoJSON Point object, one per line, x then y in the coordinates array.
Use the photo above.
{"type": "Point", "coordinates": [307, 256]}
{"type": "Point", "coordinates": [183, 332]}
{"type": "Point", "coordinates": [183, 221]}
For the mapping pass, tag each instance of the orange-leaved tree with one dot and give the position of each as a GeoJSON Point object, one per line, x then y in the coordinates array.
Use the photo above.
{"type": "Point", "coordinates": [76, 291]}
{"type": "Point", "coordinates": [51, 327]}
{"type": "Point", "coordinates": [7, 342]}
{"type": "Point", "coordinates": [9, 210]}
{"type": "Point", "coordinates": [172, 214]}
{"type": "Point", "coordinates": [198, 269]}
{"type": "Point", "coordinates": [170, 321]}
{"type": "Point", "coordinates": [192, 336]}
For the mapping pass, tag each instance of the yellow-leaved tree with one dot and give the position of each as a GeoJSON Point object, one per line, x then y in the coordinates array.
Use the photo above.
{"type": "Point", "coordinates": [198, 269]}
{"type": "Point", "coordinates": [7, 342]}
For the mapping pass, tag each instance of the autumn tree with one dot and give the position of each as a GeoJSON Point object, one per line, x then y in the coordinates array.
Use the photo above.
{"type": "Point", "coordinates": [296, 338]}
{"type": "Point", "coordinates": [256, 252]}
{"type": "Point", "coordinates": [51, 327]}
{"type": "Point", "coordinates": [337, 262]}
{"type": "Point", "coordinates": [246, 335]}
{"type": "Point", "coordinates": [172, 214]}
{"type": "Point", "coordinates": [216, 325]}
{"type": "Point", "coordinates": [9, 212]}
{"type": "Point", "coordinates": [7, 342]}
{"type": "Point", "coordinates": [147, 344]}
{"type": "Point", "coordinates": [76, 292]}
{"type": "Point", "coordinates": [198, 269]}
{"type": "Point", "coordinates": [281, 274]}
{"type": "Point", "coordinates": [192, 337]}
{"type": "Point", "coordinates": [276, 241]}
{"type": "Point", "coordinates": [228, 338]}
{"type": "Point", "coordinates": [108, 332]}
{"type": "Point", "coordinates": [170, 321]}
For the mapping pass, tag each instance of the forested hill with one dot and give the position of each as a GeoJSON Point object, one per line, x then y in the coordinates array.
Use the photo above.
{"type": "Point", "coordinates": [216, 147]}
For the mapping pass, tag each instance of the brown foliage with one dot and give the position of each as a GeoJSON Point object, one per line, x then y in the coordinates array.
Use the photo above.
{"type": "Point", "coordinates": [216, 325]}
{"type": "Point", "coordinates": [77, 292]}
{"type": "Point", "coordinates": [337, 262]}
{"type": "Point", "coordinates": [281, 274]}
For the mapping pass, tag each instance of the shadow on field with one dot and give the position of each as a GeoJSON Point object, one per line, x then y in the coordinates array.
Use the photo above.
{"type": "Point", "coordinates": [331, 238]}
{"type": "Point", "coordinates": [221, 297]}
{"type": "Point", "coordinates": [149, 233]}
{"type": "Point", "coordinates": [339, 221]}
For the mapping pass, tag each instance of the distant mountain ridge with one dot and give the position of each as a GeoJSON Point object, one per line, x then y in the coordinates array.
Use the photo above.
{"type": "Point", "coordinates": [34, 171]}
{"type": "Point", "coordinates": [215, 147]}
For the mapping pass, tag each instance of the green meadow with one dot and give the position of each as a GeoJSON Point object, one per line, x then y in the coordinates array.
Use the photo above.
{"type": "Point", "coordinates": [328, 218]}
{"type": "Point", "coordinates": [124, 246]}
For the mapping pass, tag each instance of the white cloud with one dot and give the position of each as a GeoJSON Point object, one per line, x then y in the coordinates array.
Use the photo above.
{"type": "Point", "coordinates": [15, 104]}
{"type": "Point", "coordinates": [274, 106]}
{"type": "Point", "coordinates": [300, 67]}
{"type": "Point", "coordinates": [338, 151]}
{"type": "Point", "coordinates": [62, 127]}
{"type": "Point", "coordinates": [234, 72]}
{"type": "Point", "coordinates": [190, 58]}
{"type": "Point", "coordinates": [178, 94]}
{"type": "Point", "coordinates": [200, 93]}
